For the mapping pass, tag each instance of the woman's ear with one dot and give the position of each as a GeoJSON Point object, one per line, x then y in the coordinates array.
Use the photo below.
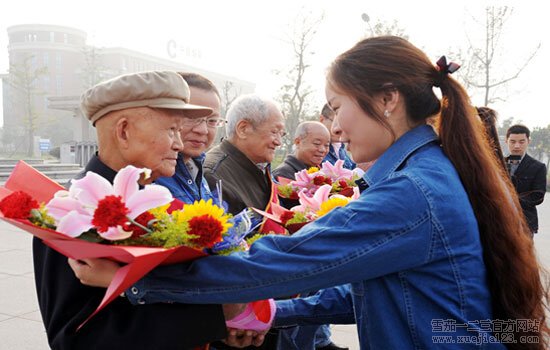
{"type": "Point", "coordinates": [122, 132]}
{"type": "Point", "coordinates": [390, 99]}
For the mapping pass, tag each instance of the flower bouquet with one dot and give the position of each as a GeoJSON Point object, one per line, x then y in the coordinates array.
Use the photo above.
{"type": "Point", "coordinates": [318, 192]}
{"type": "Point", "coordinates": [310, 208]}
{"type": "Point", "coordinates": [308, 181]}
{"type": "Point", "coordinates": [121, 222]}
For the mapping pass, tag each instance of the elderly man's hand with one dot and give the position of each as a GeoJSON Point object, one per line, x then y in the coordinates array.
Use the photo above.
{"type": "Point", "coordinates": [94, 272]}
{"type": "Point", "coordinates": [240, 338]}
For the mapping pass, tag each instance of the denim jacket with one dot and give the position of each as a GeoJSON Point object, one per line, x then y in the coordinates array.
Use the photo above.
{"type": "Point", "coordinates": [409, 246]}
{"type": "Point", "coordinates": [332, 157]}
{"type": "Point", "coordinates": [183, 186]}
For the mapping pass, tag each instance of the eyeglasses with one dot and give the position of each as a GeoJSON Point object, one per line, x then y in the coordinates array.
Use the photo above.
{"type": "Point", "coordinates": [211, 122]}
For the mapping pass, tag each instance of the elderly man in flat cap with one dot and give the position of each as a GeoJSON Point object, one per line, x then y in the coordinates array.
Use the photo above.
{"type": "Point", "coordinates": [138, 118]}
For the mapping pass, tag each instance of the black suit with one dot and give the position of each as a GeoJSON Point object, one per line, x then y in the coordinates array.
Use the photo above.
{"type": "Point", "coordinates": [65, 303]}
{"type": "Point", "coordinates": [529, 180]}
{"type": "Point", "coordinates": [288, 169]}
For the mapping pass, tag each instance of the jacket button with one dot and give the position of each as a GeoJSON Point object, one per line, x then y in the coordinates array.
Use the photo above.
{"type": "Point", "coordinates": [134, 290]}
{"type": "Point", "coordinates": [141, 301]}
{"type": "Point", "coordinates": [189, 182]}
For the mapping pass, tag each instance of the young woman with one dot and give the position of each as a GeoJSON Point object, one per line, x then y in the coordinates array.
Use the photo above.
{"type": "Point", "coordinates": [435, 249]}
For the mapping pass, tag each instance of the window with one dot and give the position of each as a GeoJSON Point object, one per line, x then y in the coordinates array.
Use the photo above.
{"type": "Point", "coordinates": [58, 61]}
{"type": "Point", "coordinates": [52, 37]}
{"type": "Point", "coordinates": [58, 84]}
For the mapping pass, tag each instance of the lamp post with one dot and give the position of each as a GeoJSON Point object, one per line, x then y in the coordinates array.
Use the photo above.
{"type": "Point", "coordinates": [366, 19]}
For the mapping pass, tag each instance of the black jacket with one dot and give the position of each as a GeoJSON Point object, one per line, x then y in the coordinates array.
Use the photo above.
{"type": "Point", "coordinates": [530, 183]}
{"type": "Point", "coordinates": [288, 169]}
{"type": "Point", "coordinates": [243, 183]}
{"type": "Point", "coordinates": [65, 303]}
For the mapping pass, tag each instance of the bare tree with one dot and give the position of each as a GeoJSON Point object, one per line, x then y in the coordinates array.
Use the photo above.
{"type": "Point", "coordinates": [483, 70]}
{"type": "Point", "coordinates": [382, 27]}
{"type": "Point", "coordinates": [295, 93]}
{"type": "Point", "coordinates": [24, 80]}
{"type": "Point", "coordinates": [93, 71]}
{"type": "Point", "coordinates": [228, 94]}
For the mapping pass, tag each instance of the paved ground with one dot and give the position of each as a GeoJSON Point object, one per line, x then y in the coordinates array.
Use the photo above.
{"type": "Point", "coordinates": [20, 324]}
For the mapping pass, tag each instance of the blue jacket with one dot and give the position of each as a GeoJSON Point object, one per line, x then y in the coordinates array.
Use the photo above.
{"type": "Point", "coordinates": [409, 246]}
{"type": "Point", "coordinates": [183, 186]}
{"type": "Point", "coordinates": [332, 157]}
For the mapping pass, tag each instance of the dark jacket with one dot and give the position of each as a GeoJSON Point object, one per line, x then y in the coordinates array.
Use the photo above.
{"type": "Point", "coordinates": [65, 303]}
{"type": "Point", "coordinates": [243, 183]}
{"type": "Point", "coordinates": [290, 166]}
{"type": "Point", "coordinates": [530, 183]}
{"type": "Point", "coordinates": [288, 169]}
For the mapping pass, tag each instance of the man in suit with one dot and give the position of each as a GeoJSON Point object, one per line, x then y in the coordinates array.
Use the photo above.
{"type": "Point", "coordinates": [528, 175]}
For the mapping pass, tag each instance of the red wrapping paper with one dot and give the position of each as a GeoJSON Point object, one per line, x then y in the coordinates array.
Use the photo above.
{"type": "Point", "coordinates": [139, 260]}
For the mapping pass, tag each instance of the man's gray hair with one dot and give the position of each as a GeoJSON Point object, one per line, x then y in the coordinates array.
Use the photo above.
{"type": "Point", "coordinates": [249, 107]}
{"type": "Point", "coordinates": [304, 128]}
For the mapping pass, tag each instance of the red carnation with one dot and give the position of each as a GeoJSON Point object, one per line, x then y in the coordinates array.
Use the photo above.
{"type": "Point", "coordinates": [320, 180]}
{"type": "Point", "coordinates": [208, 229]}
{"type": "Point", "coordinates": [286, 216]}
{"type": "Point", "coordinates": [110, 212]}
{"type": "Point", "coordinates": [143, 219]}
{"type": "Point", "coordinates": [348, 192]}
{"type": "Point", "coordinates": [18, 205]}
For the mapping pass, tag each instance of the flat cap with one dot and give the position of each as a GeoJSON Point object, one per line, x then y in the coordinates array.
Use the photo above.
{"type": "Point", "coordinates": [145, 89]}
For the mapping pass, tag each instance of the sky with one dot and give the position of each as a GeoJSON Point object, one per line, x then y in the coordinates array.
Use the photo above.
{"type": "Point", "coordinates": [249, 39]}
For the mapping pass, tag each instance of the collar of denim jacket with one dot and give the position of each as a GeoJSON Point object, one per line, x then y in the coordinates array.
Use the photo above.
{"type": "Point", "coordinates": [397, 153]}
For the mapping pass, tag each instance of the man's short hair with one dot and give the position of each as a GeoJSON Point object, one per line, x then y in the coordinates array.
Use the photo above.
{"type": "Point", "coordinates": [304, 128]}
{"type": "Point", "coordinates": [200, 82]}
{"type": "Point", "coordinates": [518, 129]}
{"type": "Point", "coordinates": [327, 111]}
{"type": "Point", "coordinates": [250, 107]}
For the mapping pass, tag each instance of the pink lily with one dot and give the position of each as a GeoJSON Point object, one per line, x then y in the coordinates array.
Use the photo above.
{"type": "Point", "coordinates": [74, 210]}
{"type": "Point", "coordinates": [303, 179]}
{"type": "Point", "coordinates": [336, 171]}
{"type": "Point", "coordinates": [313, 203]}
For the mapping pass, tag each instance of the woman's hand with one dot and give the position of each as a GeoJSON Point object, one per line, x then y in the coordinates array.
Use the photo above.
{"type": "Point", "coordinates": [94, 272]}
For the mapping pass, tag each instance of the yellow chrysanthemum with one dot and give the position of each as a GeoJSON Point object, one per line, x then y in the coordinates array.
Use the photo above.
{"type": "Point", "coordinates": [332, 203]}
{"type": "Point", "coordinates": [160, 212]}
{"type": "Point", "coordinates": [312, 170]}
{"type": "Point", "coordinates": [203, 208]}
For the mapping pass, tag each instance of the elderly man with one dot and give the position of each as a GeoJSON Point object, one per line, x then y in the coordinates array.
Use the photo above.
{"type": "Point", "coordinates": [138, 118]}
{"type": "Point", "coordinates": [240, 165]}
{"type": "Point", "coordinates": [311, 142]}
{"type": "Point", "coordinates": [188, 184]}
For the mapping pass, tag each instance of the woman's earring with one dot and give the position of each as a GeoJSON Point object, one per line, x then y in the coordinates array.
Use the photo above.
{"type": "Point", "coordinates": [387, 113]}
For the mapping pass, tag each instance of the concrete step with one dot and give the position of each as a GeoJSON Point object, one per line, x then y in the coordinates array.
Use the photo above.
{"type": "Point", "coordinates": [14, 161]}
{"type": "Point", "coordinates": [44, 167]}
{"type": "Point", "coordinates": [52, 174]}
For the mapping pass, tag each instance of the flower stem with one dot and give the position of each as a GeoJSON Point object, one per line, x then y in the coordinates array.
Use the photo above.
{"type": "Point", "coordinates": [146, 229]}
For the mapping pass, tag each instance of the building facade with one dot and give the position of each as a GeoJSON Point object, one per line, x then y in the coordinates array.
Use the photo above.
{"type": "Point", "coordinates": [50, 66]}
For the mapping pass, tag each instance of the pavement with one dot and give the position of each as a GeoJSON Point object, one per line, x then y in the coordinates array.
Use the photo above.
{"type": "Point", "coordinates": [20, 323]}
